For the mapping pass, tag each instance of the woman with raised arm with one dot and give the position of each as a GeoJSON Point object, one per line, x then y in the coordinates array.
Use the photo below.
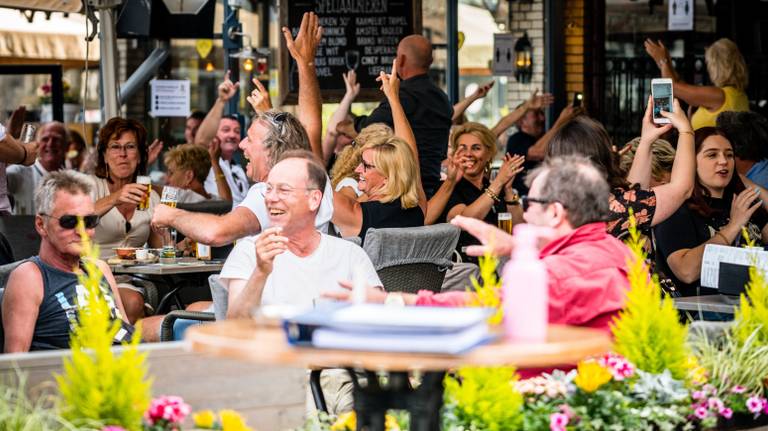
{"type": "Point", "coordinates": [727, 71]}
{"type": "Point", "coordinates": [388, 175]}
{"type": "Point", "coordinates": [334, 141]}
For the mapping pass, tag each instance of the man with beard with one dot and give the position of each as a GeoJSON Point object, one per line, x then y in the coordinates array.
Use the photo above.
{"type": "Point", "coordinates": [226, 131]}
{"type": "Point", "coordinates": [53, 139]}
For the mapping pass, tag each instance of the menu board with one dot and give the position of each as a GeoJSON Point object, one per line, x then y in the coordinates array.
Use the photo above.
{"type": "Point", "coordinates": [357, 34]}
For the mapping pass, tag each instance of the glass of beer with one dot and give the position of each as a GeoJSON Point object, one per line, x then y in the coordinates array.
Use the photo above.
{"type": "Point", "coordinates": [505, 222]}
{"type": "Point", "coordinates": [28, 131]}
{"type": "Point", "coordinates": [170, 197]}
{"type": "Point", "coordinates": [144, 180]}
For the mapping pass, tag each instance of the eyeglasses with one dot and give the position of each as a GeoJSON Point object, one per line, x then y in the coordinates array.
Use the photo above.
{"type": "Point", "coordinates": [117, 148]}
{"type": "Point", "coordinates": [284, 191]}
{"type": "Point", "coordinates": [366, 166]}
{"type": "Point", "coordinates": [70, 221]}
{"type": "Point", "coordinates": [527, 201]}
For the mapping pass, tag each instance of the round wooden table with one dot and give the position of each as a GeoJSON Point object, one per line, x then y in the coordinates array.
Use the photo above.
{"type": "Point", "coordinates": [265, 343]}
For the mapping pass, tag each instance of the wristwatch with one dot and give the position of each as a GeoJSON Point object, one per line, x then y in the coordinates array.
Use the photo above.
{"type": "Point", "coordinates": [515, 200]}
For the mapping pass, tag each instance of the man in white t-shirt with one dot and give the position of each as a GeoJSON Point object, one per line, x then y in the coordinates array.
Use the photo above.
{"type": "Point", "coordinates": [291, 262]}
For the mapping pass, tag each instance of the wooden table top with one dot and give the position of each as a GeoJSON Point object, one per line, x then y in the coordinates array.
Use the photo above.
{"type": "Point", "coordinates": [715, 303]}
{"type": "Point", "coordinates": [266, 344]}
{"type": "Point", "coordinates": [168, 268]}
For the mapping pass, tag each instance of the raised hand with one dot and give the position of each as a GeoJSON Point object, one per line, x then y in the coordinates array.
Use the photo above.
{"type": "Point", "coordinates": [214, 150]}
{"type": "Point", "coordinates": [678, 118]}
{"type": "Point", "coordinates": [390, 83]}
{"type": "Point", "coordinates": [16, 122]}
{"type": "Point", "coordinates": [744, 205]}
{"type": "Point", "coordinates": [455, 171]}
{"type": "Point", "coordinates": [512, 166]}
{"type": "Point", "coordinates": [269, 244]}
{"type": "Point", "coordinates": [259, 97]}
{"type": "Point", "coordinates": [656, 50]}
{"type": "Point", "coordinates": [304, 46]}
{"type": "Point", "coordinates": [650, 131]}
{"type": "Point", "coordinates": [538, 101]}
{"type": "Point", "coordinates": [154, 151]}
{"type": "Point", "coordinates": [482, 90]}
{"type": "Point", "coordinates": [227, 89]}
{"type": "Point", "coordinates": [350, 82]}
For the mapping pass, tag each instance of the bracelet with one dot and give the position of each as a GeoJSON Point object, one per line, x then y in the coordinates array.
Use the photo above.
{"type": "Point", "coordinates": [663, 61]}
{"type": "Point", "coordinates": [723, 237]}
{"type": "Point", "coordinates": [492, 195]}
{"type": "Point", "coordinates": [220, 176]}
{"type": "Point", "coordinates": [686, 132]}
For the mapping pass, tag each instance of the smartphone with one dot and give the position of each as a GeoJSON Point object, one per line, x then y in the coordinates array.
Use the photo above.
{"type": "Point", "coordinates": [661, 92]}
{"type": "Point", "coordinates": [577, 99]}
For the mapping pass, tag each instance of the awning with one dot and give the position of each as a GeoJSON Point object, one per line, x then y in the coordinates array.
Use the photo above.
{"type": "Point", "coordinates": [72, 6]}
{"type": "Point", "coordinates": [56, 40]}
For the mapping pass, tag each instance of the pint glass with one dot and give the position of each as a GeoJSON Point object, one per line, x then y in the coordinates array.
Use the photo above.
{"type": "Point", "coordinates": [505, 222]}
{"type": "Point", "coordinates": [147, 183]}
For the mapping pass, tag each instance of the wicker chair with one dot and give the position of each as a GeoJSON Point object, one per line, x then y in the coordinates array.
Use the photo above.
{"type": "Point", "coordinates": [414, 258]}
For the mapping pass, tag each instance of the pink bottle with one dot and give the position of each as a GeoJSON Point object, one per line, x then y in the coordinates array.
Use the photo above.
{"type": "Point", "coordinates": [525, 290]}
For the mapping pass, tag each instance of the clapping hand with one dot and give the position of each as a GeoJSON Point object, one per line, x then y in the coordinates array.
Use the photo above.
{"type": "Point", "coordinates": [259, 97]}
{"type": "Point", "coordinates": [154, 151]}
{"type": "Point", "coordinates": [390, 83]}
{"type": "Point", "coordinates": [656, 50]}
{"type": "Point", "coordinates": [227, 89]}
{"type": "Point", "coordinates": [512, 166]}
{"type": "Point", "coordinates": [304, 46]}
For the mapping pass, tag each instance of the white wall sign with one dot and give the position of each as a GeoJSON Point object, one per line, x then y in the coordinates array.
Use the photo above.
{"type": "Point", "coordinates": [503, 54]}
{"type": "Point", "coordinates": [680, 17]}
{"type": "Point", "coordinates": [169, 97]}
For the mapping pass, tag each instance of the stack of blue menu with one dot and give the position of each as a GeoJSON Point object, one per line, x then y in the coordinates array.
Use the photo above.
{"type": "Point", "coordinates": [385, 328]}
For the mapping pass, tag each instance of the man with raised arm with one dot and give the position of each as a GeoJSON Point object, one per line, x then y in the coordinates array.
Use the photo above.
{"type": "Point", "coordinates": [426, 107]}
{"type": "Point", "coordinates": [270, 135]}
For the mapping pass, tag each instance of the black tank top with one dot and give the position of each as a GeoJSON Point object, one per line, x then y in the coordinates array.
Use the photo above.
{"type": "Point", "coordinates": [57, 314]}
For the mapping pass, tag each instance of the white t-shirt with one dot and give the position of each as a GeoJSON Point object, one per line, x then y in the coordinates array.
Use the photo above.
{"type": "Point", "coordinates": [236, 178]}
{"type": "Point", "coordinates": [348, 182]}
{"type": "Point", "coordinates": [254, 201]}
{"type": "Point", "coordinates": [22, 183]}
{"type": "Point", "coordinates": [300, 280]}
{"type": "Point", "coordinates": [187, 196]}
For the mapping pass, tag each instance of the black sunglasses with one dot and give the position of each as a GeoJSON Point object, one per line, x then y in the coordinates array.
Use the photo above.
{"type": "Point", "coordinates": [70, 221]}
{"type": "Point", "coordinates": [527, 201]}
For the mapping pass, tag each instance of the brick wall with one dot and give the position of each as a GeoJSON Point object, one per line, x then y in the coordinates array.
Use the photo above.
{"type": "Point", "coordinates": [528, 17]}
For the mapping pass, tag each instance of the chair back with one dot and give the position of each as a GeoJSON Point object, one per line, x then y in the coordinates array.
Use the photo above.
{"type": "Point", "coordinates": [20, 232]}
{"type": "Point", "coordinates": [213, 206]}
{"type": "Point", "coordinates": [414, 258]}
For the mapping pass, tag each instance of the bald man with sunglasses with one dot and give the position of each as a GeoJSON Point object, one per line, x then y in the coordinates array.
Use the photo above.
{"type": "Point", "coordinates": [42, 295]}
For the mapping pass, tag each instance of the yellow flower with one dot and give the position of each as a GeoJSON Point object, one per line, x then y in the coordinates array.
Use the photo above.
{"type": "Point", "coordinates": [591, 375]}
{"type": "Point", "coordinates": [345, 422]}
{"type": "Point", "coordinates": [390, 423]}
{"type": "Point", "coordinates": [696, 373]}
{"type": "Point", "coordinates": [204, 419]}
{"type": "Point", "coordinates": [232, 421]}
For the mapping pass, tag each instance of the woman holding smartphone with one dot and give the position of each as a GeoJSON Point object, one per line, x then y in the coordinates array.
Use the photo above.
{"type": "Point", "coordinates": [727, 71]}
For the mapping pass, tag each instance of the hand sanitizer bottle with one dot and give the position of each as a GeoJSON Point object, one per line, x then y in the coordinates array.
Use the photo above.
{"type": "Point", "coordinates": [525, 290]}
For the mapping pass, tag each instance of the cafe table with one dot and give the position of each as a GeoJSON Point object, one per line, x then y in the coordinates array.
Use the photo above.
{"type": "Point", "coordinates": [165, 273]}
{"type": "Point", "coordinates": [713, 303]}
{"type": "Point", "coordinates": [265, 344]}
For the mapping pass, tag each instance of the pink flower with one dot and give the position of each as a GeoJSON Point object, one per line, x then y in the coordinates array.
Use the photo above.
{"type": "Point", "coordinates": [726, 413]}
{"type": "Point", "coordinates": [715, 404]}
{"type": "Point", "coordinates": [701, 412]}
{"type": "Point", "coordinates": [558, 421]}
{"type": "Point", "coordinates": [755, 404]}
{"type": "Point", "coordinates": [113, 428]}
{"type": "Point", "coordinates": [697, 395]}
{"type": "Point", "coordinates": [618, 365]}
{"type": "Point", "coordinates": [167, 408]}
{"type": "Point", "coordinates": [738, 389]}
{"type": "Point", "coordinates": [566, 410]}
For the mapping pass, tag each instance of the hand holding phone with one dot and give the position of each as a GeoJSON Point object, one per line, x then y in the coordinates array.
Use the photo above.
{"type": "Point", "coordinates": [661, 92]}
{"type": "Point", "coordinates": [577, 99]}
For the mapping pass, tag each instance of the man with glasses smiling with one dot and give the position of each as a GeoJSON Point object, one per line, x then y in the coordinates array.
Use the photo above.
{"type": "Point", "coordinates": [41, 297]}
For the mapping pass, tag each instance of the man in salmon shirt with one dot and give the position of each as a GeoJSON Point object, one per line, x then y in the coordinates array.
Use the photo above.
{"type": "Point", "coordinates": [586, 266]}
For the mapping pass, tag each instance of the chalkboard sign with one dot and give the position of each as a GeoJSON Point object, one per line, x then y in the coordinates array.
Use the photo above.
{"type": "Point", "coordinates": [357, 34]}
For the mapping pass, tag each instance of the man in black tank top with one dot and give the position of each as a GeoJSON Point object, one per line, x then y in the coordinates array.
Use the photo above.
{"type": "Point", "coordinates": [41, 297]}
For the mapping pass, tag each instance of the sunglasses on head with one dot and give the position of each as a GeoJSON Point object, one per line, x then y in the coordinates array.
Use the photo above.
{"type": "Point", "coordinates": [68, 221]}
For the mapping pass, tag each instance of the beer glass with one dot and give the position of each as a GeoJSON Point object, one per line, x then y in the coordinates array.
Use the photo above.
{"type": "Point", "coordinates": [28, 131]}
{"type": "Point", "coordinates": [505, 222]}
{"type": "Point", "coordinates": [170, 197]}
{"type": "Point", "coordinates": [147, 182]}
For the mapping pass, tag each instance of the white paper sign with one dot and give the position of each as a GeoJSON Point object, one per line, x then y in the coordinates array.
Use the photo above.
{"type": "Point", "coordinates": [503, 54]}
{"type": "Point", "coordinates": [170, 98]}
{"type": "Point", "coordinates": [715, 254]}
{"type": "Point", "coordinates": [680, 17]}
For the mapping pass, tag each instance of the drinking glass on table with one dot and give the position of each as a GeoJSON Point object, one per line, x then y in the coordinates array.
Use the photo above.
{"type": "Point", "coordinates": [505, 222]}
{"type": "Point", "coordinates": [170, 197]}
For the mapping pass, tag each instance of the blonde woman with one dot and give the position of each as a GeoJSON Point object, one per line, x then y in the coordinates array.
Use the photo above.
{"type": "Point", "coordinates": [468, 189]}
{"type": "Point", "coordinates": [727, 71]}
{"type": "Point", "coordinates": [343, 176]}
{"type": "Point", "coordinates": [188, 166]}
{"type": "Point", "coordinates": [388, 174]}
{"type": "Point", "coordinates": [662, 159]}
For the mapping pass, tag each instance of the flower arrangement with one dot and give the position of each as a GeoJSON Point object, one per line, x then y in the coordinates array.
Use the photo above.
{"type": "Point", "coordinates": [166, 413]}
{"type": "Point", "coordinates": [45, 93]}
{"type": "Point", "coordinates": [227, 420]}
{"type": "Point", "coordinates": [393, 421]}
{"type": "Point", "coordinates": [488, 294]}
